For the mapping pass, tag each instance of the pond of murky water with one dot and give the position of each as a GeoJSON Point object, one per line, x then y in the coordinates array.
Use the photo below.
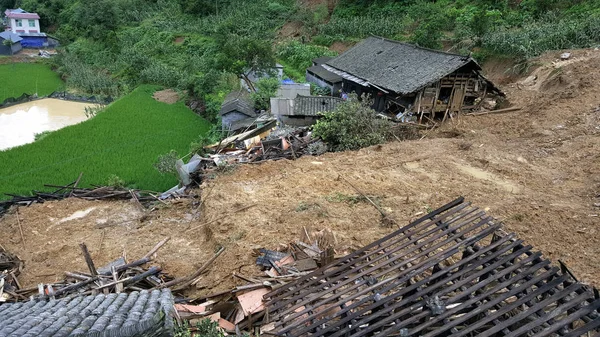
{"type": "Point", "coordinates": [19, 123]}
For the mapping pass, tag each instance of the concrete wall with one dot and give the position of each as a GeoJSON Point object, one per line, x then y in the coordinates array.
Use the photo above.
{"type": "Point", "coordinates": [281, 106]}
{"type": "Point", "coordinates": [5, 50]}
{"type": "Point", "coordinates": [25, 26]}
{"type": "Point", "coordinates": [292, 90]}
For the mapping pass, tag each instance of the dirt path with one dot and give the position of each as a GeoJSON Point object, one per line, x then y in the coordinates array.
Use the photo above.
{"type": "Point", "coordinates": [537, 170]}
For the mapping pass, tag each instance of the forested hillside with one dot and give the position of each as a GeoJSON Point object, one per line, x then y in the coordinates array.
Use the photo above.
{"type": "Point", "coordinates": [203, 46]}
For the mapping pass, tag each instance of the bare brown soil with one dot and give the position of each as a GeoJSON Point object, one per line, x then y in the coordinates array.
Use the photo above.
{"type": "Point", "coordinates": [168, 96]}
{"type": "Point", "coordinates": [537, 170]}
{"type": "Point", "coordinates": [340, 47]}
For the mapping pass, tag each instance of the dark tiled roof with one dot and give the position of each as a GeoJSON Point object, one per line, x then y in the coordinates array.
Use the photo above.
{"type": "Point", "coordinates": [322, 59]}
{"type": "Point", "coordinates": [324, 74]}
{"type": "Point", "coordinates": [312, 105]}
{"type": "Point", "coordinates": [397, 66]}
{"type": "Point", "coordinates": [238, 101]}
{"type": "Point", "coordinates": [141, 313]}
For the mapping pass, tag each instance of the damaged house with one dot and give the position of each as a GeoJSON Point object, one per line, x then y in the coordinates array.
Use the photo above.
{"type": "Point", "coordinates": [400, 77]}
{"type": "Point", "coordinates": [237, 111]}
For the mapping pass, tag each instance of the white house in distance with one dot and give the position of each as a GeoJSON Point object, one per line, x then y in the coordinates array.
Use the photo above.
{"type": "Point", "coordinates": [27, 26]}
{"type": "Point", "coordinates": [20, 21]}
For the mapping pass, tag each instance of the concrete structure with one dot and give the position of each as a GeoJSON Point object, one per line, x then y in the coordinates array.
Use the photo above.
{"type": "Point", "coordinates": [292, 90]}
{"type": "Point", "coordinates": [27, 26]}
{"type": "Point", "coordinates": [20, 21]}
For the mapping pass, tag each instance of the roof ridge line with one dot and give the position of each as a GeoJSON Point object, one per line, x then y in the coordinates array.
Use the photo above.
{"type": "Point", "coordinates": [419, 47]}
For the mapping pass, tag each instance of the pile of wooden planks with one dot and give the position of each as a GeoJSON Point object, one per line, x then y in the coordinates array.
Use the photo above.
{"type": "Point", "coordinates": [72, 190]}
{"type": "Point", "coordinates": [10, 268]}
{"type": "Point", "coordinates": [116, 277]}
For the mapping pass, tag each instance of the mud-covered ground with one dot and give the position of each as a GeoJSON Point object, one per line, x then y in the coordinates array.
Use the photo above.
{"type": "Point", "coordinates": [537, 170]}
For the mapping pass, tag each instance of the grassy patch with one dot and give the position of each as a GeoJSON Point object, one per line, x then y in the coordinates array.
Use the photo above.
{"type": "Point", "coordinates": [28, 78]}
{"type": "Point", "coordinates": [124, 140]}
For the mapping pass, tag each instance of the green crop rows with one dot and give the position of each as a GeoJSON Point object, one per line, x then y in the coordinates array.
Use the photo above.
{"type": "Point", "coordinates": [27, 78]}
{"type": "Point", "coordinates": [123, 140]}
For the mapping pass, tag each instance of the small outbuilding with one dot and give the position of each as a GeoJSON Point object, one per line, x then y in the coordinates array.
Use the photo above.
{"type": "Point", "coordinates": [403, 77]}
{"type": "Point", "coordinates": [10, 48]}
{"type": "Point", "coordinates": [237, 110]}
{"type": "Point", "coordinates": [322, 77]}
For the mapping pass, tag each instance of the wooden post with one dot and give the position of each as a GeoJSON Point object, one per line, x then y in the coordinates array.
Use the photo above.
{"type": "Point", "coordinates": [419, 106]}
{"type": "Point", "coordinates": [437, 95]}
{"type": "Point", "coordinates": [88, 259]}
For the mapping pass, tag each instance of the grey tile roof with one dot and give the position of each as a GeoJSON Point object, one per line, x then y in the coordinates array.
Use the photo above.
{"type": "Point", "coordinates": [324, 74]}
{"type": "Point", "coordinates": [8, 35]}
{"type": "Point", "coordinates": [238, 101]}
{"type": "Point", "coordinates": [322, 59]}
{"type": "Point", "coordinates": [312, 105]}
{"type": "Point", "coordinates": [144, 313]}
{"type": "Point", "coordinates": [397, 66]}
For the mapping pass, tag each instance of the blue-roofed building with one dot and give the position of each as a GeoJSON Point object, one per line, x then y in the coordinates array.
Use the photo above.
{"type": "Point", "coordinates": [11, 48]}
{"type": "Point", "coordinates": [27, 26]}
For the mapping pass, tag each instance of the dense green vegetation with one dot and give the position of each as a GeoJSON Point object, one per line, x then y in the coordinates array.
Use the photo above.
{"type": "Point", "coordinates": [124, 140]}
{"type": "Point", "coordinates": [204, 47]}
{"type": "Point", "coordinates": [27, 78]}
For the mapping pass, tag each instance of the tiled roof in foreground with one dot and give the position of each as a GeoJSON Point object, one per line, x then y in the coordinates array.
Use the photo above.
{"type": "Point", "coordinates": [143, 313]}
{"type": "Point", "coordinates": [451, 273]}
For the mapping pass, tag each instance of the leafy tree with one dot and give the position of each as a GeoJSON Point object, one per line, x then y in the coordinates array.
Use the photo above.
{"type": "Point", "coordinates": [353, 125]}
{"type": "Point", "coordinates": [242, 55]}
{"type": "Point", "coordinates": [428, 35]}
{"type": "Point", "coordinates": [203, 7]}
{"type": "Point", "coordinates": [96, 18]}
{"type": "Point", "coordinates": [265, 89]}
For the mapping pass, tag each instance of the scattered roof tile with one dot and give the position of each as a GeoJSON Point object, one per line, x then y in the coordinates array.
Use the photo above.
{"type": "Point", "coordinates": [313, 105]}
{"type": "Point", "coordinates": [143, 313]}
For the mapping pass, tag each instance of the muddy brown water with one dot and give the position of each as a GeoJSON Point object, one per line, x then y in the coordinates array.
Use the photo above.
{"type": "Point", "coordinates": [19, 123]}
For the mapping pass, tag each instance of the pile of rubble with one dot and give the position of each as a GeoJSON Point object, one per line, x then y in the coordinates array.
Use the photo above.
{"type": "Point", "coordinates": [452, 271]}
{"type": "Point", "coordinates": [242, 308]}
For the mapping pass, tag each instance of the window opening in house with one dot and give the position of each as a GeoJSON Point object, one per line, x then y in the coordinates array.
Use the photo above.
{"type": "Point", "coordinates": [31, 23]}
{"type": "Point", "coordinates": [445, 95]}
{"type": "Point", "coordinates": [19, 22]}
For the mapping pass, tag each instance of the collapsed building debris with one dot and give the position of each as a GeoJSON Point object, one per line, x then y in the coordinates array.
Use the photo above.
{"type": "Point", "coordinates": [116, 277]}
{"type": "Point", "coordinates": [72, 190]}
{"type": "Point", "coordinates": [453, 272]}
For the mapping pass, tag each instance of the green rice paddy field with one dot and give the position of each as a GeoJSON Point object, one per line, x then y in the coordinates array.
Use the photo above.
{"type": "Point", "coordinates": [124, 140]}
{"type": "Point", "coordinates": [29, 78]}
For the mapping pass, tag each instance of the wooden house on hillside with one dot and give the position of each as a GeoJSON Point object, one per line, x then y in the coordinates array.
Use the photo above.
{"type": "Point", "coordinates": [401, 76]}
